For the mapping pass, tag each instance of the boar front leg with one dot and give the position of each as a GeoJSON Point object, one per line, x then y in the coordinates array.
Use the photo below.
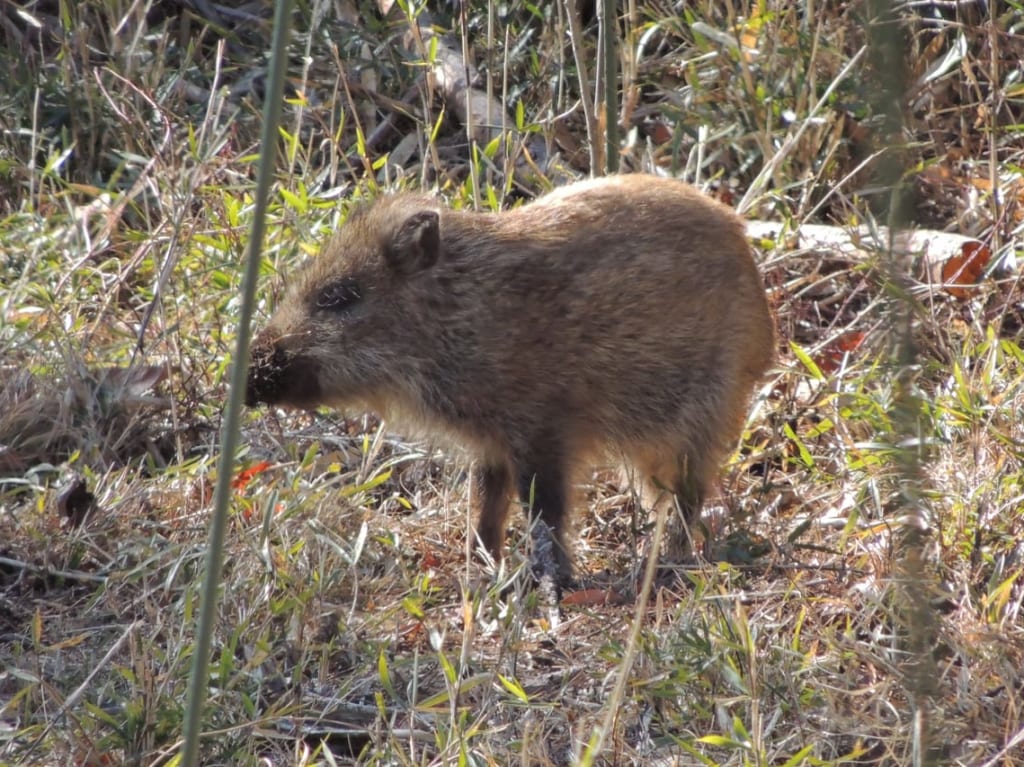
{"type": "Point", "coordinates": [543, 490]}
{"type": "Point", "coordinates": [492, 486]}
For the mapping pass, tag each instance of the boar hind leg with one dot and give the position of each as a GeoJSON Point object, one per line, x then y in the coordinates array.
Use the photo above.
{"type": "Point", "coordinates": [679, 483]}
{"type": "Point", "coordinates": [543, 490]}
{"type": "Point", "coordinates": [492, 486]}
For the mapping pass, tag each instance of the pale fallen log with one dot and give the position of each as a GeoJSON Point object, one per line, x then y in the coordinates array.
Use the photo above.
{"type": "Point", "coordinates": [453, 74]}
{"type": "Point", "coordinates": [925, 251]}
{"type": "Point", "coordinates": [485, 117]}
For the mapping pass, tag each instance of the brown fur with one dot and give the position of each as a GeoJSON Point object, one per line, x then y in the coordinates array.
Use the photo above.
{"type": "Point", "coordinates": [623, 314]}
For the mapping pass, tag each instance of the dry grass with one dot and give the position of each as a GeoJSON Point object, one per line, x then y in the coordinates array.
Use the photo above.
{"type": "Point", "coordinates": [351, 626]}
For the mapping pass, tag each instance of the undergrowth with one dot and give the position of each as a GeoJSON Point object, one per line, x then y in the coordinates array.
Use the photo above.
{"type": "Point", "coordinates": [354, 626]}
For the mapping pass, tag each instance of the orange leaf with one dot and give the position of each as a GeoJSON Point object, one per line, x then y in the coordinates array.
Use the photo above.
{"type": "Point", "coordinates": [593, 598]}
{"type": "Point", "coordinates": [832, 355]}
{"type": "Point", "coordinates": [248, 512]}
{"type": "Point", "coordinates": [413, 634]}
{"type": "Point", "coordinates": [239, 483]}
{"type": "Point", "coordinates": [725, 194]}
{"type": "Point", "coordinates": [430, 561]}
{"type": "Point", "coordinates": [965, 269]}
{"type": "Point", "coordinates": [659, 133]}
{"type": "Point", "coordinates": [750, 35]}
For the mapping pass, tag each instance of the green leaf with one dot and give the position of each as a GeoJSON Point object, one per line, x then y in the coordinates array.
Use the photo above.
{"type": "Point", "coordinates": [385, 675]}
{"type": "Point", "coordinates": [720, 740]}
{"type": "Point", "coordinates": [805, 455]}
{"type": "Point", "coordinates": [806, 361]}
{"type": "Point", "coordinates": [514, 687]}
{"type": "Point", "coordinates": [798, 757]}
{"type": "Point", "coordinates": [293, 201]}
{"type": "Point", "coordinates": [412, 606]}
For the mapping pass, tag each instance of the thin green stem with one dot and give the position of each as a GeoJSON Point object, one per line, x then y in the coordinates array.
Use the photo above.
{"type": "Point", "coordinates": [236, 395]}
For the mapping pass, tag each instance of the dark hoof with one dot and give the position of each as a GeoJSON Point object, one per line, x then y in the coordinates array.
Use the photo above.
{"type": "Point", "coordinates": [549, 565]}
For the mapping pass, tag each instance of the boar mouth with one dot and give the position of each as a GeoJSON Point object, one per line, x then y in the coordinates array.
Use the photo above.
{"type": "Point", "coordinates": [277, 378]}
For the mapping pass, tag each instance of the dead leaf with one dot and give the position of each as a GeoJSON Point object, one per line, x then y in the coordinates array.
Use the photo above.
{"type": "Point", "coordinates": [832, 355]}
{"type": "Point", "coordinates": [430, 561]}
{"type": "Point", "coordinates": [965, 269]}
{"type": "Point", "coordinates": [132, 381]}
{"type": "Point", "coordinates": [658, 132]}
{"type": "Point", "coordinates": [11, 461]}
{"type": "Point", "coordinates": [74, 501]}
{"type": "Point", "coordinates": [593, 598]}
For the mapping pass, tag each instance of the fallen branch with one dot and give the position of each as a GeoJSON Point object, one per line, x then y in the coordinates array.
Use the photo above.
{"type": "Point", "coordinates": [49, 572]}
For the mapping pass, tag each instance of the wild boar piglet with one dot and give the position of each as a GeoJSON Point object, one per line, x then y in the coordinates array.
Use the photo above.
{"type": "Point", "coordinates": [619, 318]}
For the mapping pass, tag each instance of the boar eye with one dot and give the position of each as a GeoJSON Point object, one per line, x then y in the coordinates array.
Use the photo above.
{"type": "Point", "coordinates": [339, 295]}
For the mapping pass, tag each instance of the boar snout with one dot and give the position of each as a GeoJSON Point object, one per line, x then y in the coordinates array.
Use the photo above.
{"type": "Point", "coordinates": [266, 369]}
{"type": "Point", "coordinates": [279, 375]}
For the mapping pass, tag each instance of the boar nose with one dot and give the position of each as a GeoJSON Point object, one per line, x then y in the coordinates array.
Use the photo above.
{"type": "Point", "coordinates": [264, 371]}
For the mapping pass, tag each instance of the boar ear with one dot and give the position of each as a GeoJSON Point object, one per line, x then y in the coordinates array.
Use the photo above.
{"type": "Point", "coordinates": [416, 244]}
